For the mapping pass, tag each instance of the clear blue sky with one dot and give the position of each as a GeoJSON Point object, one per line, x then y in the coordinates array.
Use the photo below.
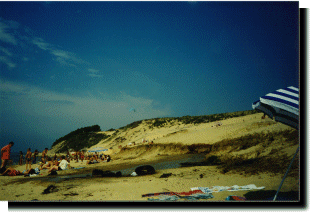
{"type": "Point", "coordinates": [67, 65]}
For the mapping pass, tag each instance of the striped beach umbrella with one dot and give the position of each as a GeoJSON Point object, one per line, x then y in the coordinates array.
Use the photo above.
{"type": "Point", "coordinates": [283, 105]}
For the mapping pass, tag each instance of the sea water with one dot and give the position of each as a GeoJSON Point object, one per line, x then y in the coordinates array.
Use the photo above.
{"type": "Point", "coordinates": [14, 156]}
{"type": "Point", "coordinates": [169, 164]}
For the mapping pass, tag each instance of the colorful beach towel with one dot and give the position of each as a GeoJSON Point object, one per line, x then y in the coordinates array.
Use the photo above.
{"type": "Point", "coordinates": [235, 198]}
{"type": "Point", "coordinates": [226, 188]}
{"type": "Point", "coordinates": [193, 197]}
{"type": "Point", "coordinates": [173, 193]}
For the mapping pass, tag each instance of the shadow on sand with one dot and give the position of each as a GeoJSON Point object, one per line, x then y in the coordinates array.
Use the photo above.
{"type": "Point", "coordinates": [269, 195]}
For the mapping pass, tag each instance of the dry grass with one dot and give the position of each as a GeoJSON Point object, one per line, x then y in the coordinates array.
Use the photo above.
{"type": "Point", "coordinates": [274, 161]}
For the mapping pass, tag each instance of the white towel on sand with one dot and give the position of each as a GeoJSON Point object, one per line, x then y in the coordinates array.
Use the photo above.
{"type": "Point", "coordinates": [227, 188]}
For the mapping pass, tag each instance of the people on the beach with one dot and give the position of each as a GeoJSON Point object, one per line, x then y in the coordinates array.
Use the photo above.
{"type": "Point", "coordinates": [15, 172]}
{"type": "Point", "coordinates": [11, 172]}
{"type": "Point", "coordinates": [44, 155]}
{"type": "Point", "coordinates": [5, 154]}
{"type": "Point", "coordinates": [76, 156]}
{"type": "Point", "coordinates": [21, 158]}
{"type": "Point", "coordinates": [62, 165]}
{"type": "Point", "coordinates": [68, 156]}
{"type": "Point", "coordinates": [47, 165]}
{"type": "Point", "coordinates": [108, 158]}
{"type": "Point", "coordinates": [91, 160]}
{"type": "Point", "coordinates": [82, 156]}
{"type": "Point", "coordinates": [28, 159]}
{"type": "Point", "coordinates": [35, 154]}
{"type": "Point", "coordinates": [56, 162]}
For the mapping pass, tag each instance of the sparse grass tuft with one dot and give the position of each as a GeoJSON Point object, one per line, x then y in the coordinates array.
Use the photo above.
{"type": "Point", "coordinates": [273, 162]}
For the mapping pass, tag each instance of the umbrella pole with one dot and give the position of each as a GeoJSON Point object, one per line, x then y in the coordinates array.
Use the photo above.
{"type": "Point", "coordinates": [275, 197]}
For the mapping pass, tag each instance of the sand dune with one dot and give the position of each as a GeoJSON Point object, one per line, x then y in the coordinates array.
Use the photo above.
{"type": "Point", "coordinates": [172, 140]}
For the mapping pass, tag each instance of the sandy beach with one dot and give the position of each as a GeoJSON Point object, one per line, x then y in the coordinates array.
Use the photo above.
{"type": "Point", "coordinates": [169, 145]}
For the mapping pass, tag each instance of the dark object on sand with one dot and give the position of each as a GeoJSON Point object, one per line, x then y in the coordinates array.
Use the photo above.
{"type": "Point", "coordinates": [145, 170]}
{"type": "Point", "coordinates": [268, 195]}
{"type": "Point", "coordinates": [2, 170]}
{"type": "Point", "coordinates": [97, 172]}
{"type": "Point", "coordinates": [165, 175]}
{"type": "Point", "coordinates": [50, 189]}
{"type": "Point", "coordinates": [71, 194]}
{"type": "Point", "coordinates": [53, 173]}
{"type": "Point", "coordinates": [118, 174]}
{"type": "Point", "coordinates": [108, 174]}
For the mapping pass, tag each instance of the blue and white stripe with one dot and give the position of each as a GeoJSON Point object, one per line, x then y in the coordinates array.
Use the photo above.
{"type": "Point", "coordinates": [282, 104]}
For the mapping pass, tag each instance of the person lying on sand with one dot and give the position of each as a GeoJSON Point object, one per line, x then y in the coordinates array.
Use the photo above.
{"type": "Point", "coordinates": [62, 165]}
{"type": "Point", "coordinates": [102, 157]}
{"type": "Point", "coordinates": [56, 163]}
{"type": "Point", "coordinates": [91, 160]}
{"type": "Point", "coordinates": [48, 165]}
{"type": "Point", "coordinates": [14, 172]}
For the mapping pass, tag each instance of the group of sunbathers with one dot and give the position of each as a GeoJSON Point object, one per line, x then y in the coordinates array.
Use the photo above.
{"type": "Point", "coordinates": [97, 158]}
{"type": "Point", "coordinates": [55, 164]}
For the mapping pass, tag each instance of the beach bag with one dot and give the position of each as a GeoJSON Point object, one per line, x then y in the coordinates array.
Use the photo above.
{"type": "Point", "coordinates": [145, 170]}
{"type": "Point", "coordinates": [32, 171]}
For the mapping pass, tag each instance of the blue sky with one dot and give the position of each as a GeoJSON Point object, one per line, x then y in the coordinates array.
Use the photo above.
{"type": "Point", "coordinates": [67, 65]}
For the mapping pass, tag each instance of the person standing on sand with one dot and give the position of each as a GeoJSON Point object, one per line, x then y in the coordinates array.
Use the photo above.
{"type": "Point", "coordinates": [55, 157]}
{"type": "Point", "coordinates": [68, 156]}
{"type": "Point", "coordinates": [28, 159]}
{"type": "Point", "coordinates": [5, 154]}
{"type": "Point", "coordinates": [44, 155]}
{"type": "Point", "coordinates": [82, 156]}
{"type": "Point", "coordinates": [21, 158]}
{"type": "Point", "coordinates": [36, 152]}
{"type": "Point", "coordinates": [76, 156]}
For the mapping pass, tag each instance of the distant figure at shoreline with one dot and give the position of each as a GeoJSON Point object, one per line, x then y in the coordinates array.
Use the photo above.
{"type": "Point", "coordinates": [21, 158]}
{"type": "Point", "coordinates": [35, 154]}
{"type": "Point", "coordinates": [5, 154]}
{"type": "Point", "coordinates": [44, 155]}
{"type": "Point", "coordinates": [28, 159]}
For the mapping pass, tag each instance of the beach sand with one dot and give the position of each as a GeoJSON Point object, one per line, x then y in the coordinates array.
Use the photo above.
{"type": "Point", "coordinates": [130, 188]}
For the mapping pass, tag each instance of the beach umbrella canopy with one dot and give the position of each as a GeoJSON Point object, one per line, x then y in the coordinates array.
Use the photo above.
{"type": "Point", "coordinates": [98, 149]}
{"type": "Point", "coordinates": [282, 104]}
